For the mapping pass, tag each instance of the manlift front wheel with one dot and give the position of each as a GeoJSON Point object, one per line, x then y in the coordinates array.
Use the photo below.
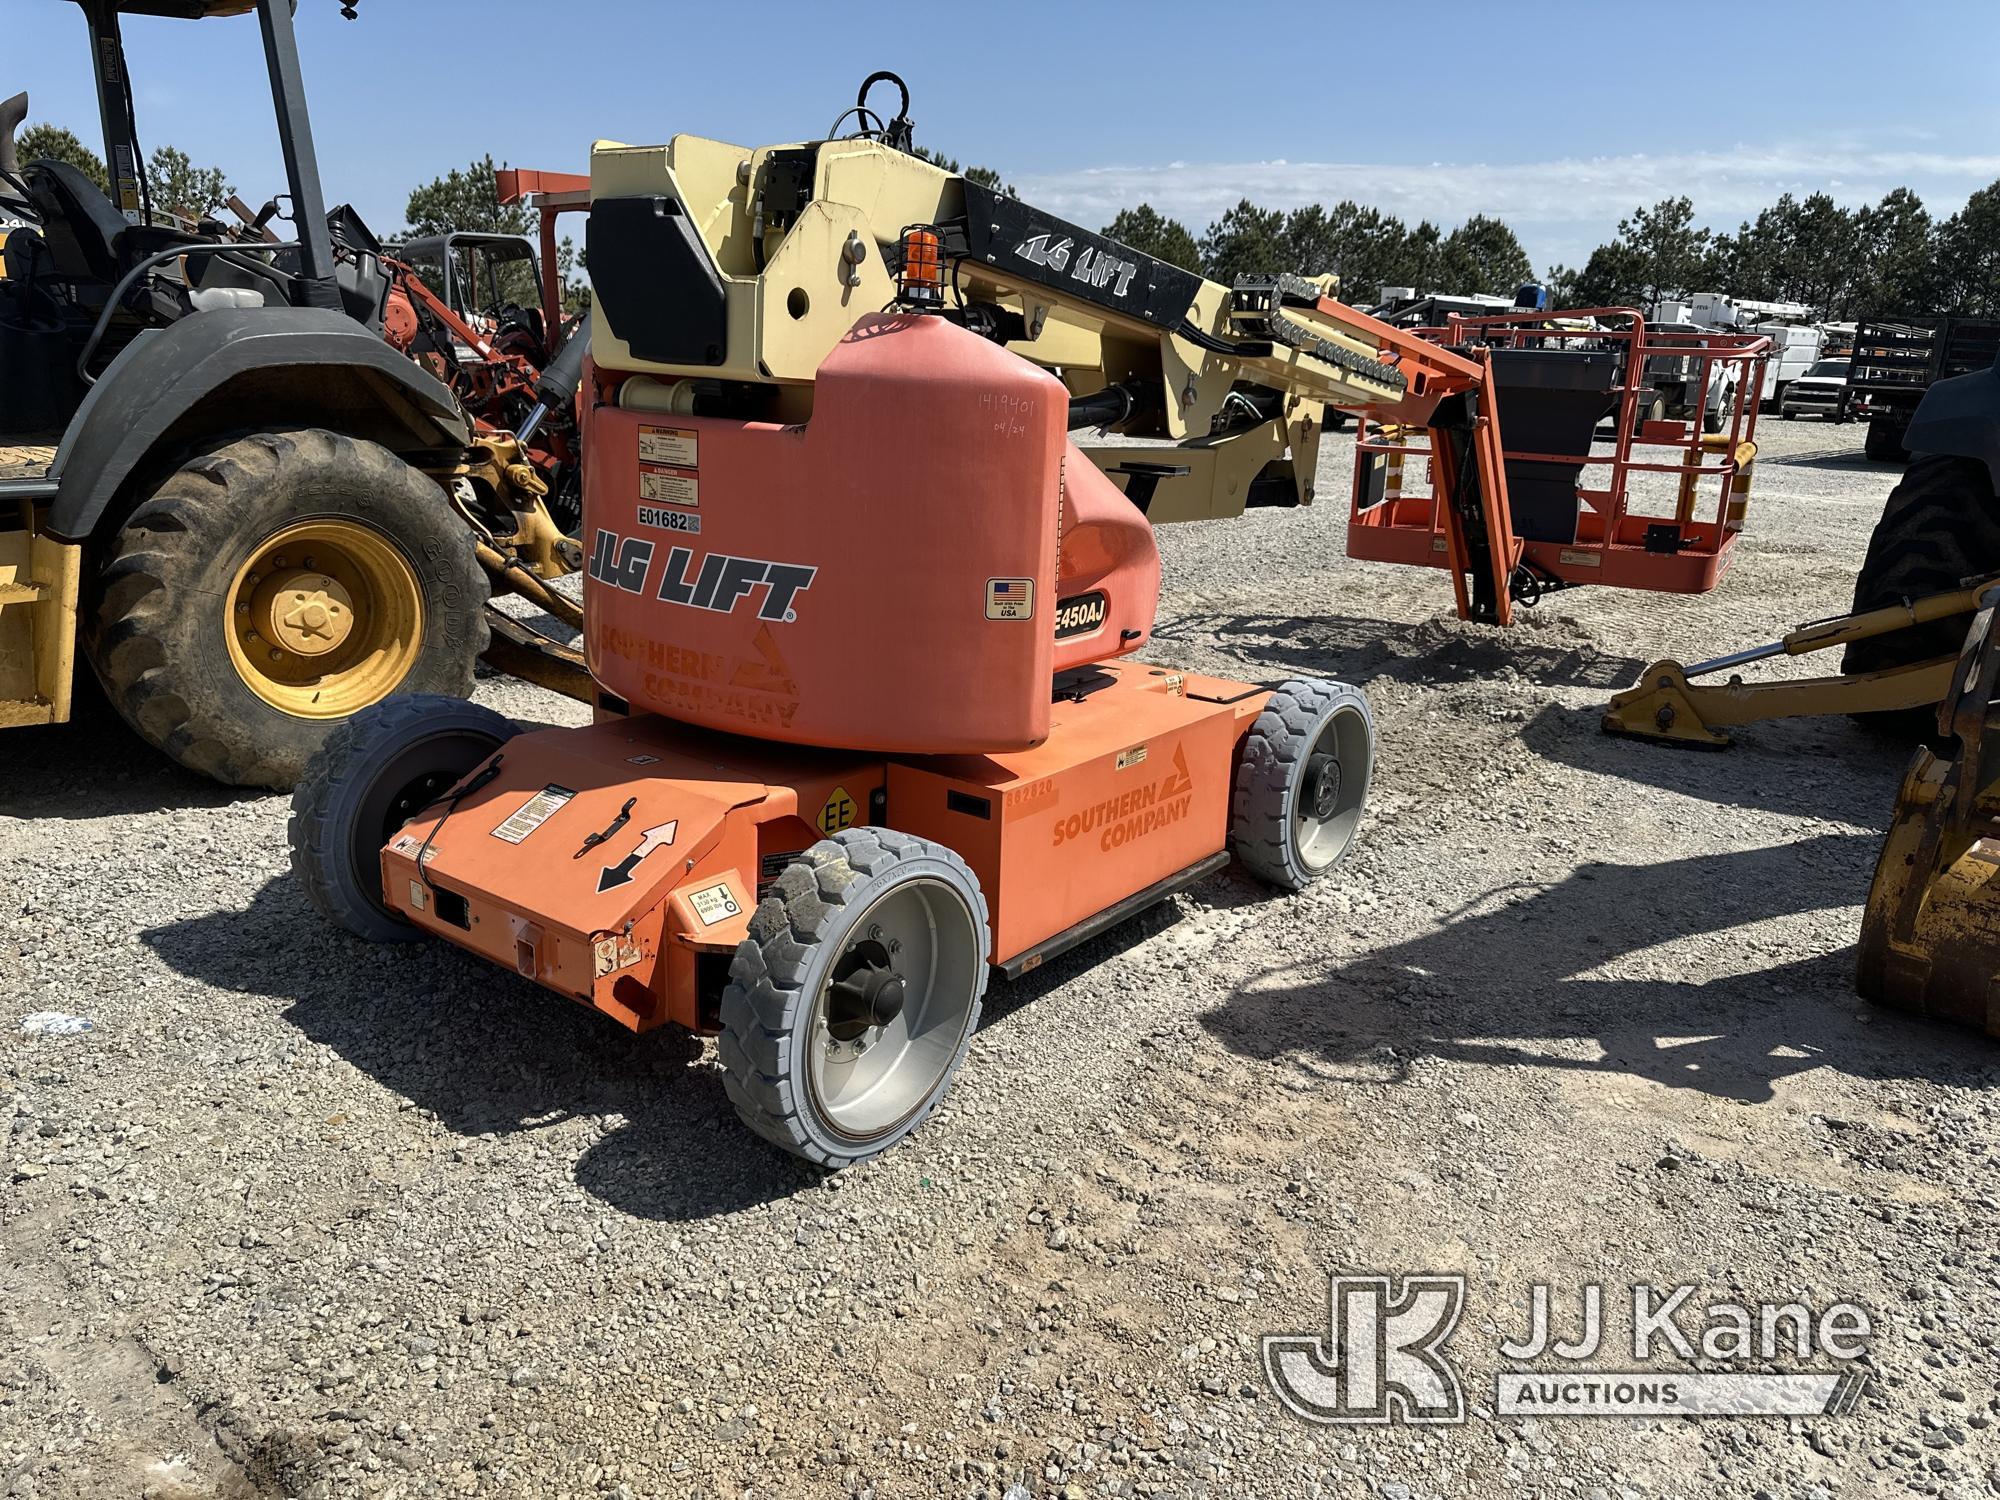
{"type": "Point", "coordinates": [852, 1001]}
{"type": "Point", "coordinates": [375, 772]}
{"type": "Point", "coordinates": [1302, 782]}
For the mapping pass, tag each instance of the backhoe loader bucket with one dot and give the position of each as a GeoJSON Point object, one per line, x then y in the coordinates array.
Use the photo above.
{"type": "Point", "coordinates": [1930, 937]}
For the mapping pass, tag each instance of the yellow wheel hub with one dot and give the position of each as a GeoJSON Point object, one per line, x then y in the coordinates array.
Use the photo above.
{"type": "Point", "coordinates": [325, 618]}
{"type": "Point", "coordinates": [307, 614]}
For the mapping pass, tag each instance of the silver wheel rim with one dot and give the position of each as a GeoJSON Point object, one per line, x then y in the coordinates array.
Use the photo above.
{"type": "Point", "coordinates": [865, 1085]}
{"type": "Point", "coordinates": [1326, 805]}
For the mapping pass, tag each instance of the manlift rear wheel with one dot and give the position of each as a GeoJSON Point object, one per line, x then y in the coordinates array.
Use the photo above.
{"type": "Point", "coordinates": [852, 1001]}
{"type": "Point", "coordinates": [1302, 782]}
{"type": "Point", "coordinates": [376, 771]}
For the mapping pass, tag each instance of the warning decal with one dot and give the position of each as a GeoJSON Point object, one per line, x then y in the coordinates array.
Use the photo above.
{"type": "Point", "coordinates": [669, 445]}
{"type": "Point", "coordinates": [838, 813]}
{"type": "Point", "coordinates": [1010, 598]}
{"type": "Point", "coordinates": [533, 813]}
{"type": "Point", "coordinates": [715, 903]}
{"type": "Point", "coordinates": [669, 486]}
{"type": "Point", "coordinates": [407, 845]}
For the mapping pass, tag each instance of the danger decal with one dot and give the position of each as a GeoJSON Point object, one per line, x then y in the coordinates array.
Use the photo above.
{"type": "Point", "coordinates": [1132, 815]}
{"type": "Point", "coordinates": [670, 486]}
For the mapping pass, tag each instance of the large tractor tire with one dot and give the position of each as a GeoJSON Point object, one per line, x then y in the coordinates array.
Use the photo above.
{"type": "Point", "coordinates": [1302, 782]}
{"type": "Point", "coordinates": [274, 587]}
{"type": "Point", "coordinates": [1940, 528]}
{"type": "Point", "coordinates": [376, 771]}
{"type": "Point", "coordinates": [851, 1003]}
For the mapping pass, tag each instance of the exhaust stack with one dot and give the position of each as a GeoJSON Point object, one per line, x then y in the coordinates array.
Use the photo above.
{"type": "Point", "coordinates": [12, 112]}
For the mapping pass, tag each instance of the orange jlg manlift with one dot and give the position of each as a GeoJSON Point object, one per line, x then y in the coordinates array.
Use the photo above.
{"type": "Point", "coordinates": [870, 723]}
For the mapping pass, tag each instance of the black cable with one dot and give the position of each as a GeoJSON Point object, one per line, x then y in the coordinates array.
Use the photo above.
{"type": "Point", "coordinates": [862, 113]}
{"type": "Point", "coordinates": [486, 773]}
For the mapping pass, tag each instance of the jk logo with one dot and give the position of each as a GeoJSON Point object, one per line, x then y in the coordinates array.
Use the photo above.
{"type": "Point", "coordinates": [1382, 1358]}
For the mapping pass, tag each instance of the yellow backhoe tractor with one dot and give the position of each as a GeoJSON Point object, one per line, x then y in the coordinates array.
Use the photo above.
{"type": "Point", "coordinates": [1930, 936]}
{"type": "Point", "coordinates": [253, 515]}
{"type": "Point", "coordinates": [1922, 652]}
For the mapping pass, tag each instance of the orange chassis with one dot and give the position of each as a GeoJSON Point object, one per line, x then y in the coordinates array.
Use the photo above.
{"type": "Point", "coordinates": [642, 924]}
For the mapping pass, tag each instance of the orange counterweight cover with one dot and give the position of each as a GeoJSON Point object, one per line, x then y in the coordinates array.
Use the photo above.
{"type": "Point", "coordinates": [1108, 573]}
{"type": "Point", "coordinates": [882, 578]}
{"type": "Point", "coordinates": [1132, 786]}
{"type": "Point", "coordinates": [602, 861]}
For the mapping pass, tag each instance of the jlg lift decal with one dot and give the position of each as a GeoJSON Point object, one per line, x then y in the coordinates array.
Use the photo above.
{"type": "Point", "coordinates": [1133, 815]}
{"type": "Point", "coordinates": [718, 583]}
{"type": "Point", "coordinates": [1095, 267]}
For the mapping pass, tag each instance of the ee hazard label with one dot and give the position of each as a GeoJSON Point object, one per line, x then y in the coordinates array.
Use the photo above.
{"type": "Point", "coordinates": [838, 812]}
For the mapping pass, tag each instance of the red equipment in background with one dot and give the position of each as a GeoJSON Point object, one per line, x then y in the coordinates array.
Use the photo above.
{"type": "Point", "coordinates": [492, 364]}
{"type": "Point", "coordinates": [1565, 529]}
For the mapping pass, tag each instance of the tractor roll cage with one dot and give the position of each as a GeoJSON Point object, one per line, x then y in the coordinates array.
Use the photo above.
{"type": "Point", "coordinates": [127, 169]}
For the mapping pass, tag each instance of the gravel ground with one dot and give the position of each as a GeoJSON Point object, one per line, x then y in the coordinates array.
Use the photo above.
{"type": "Point", "coordinates": [302, 1217]}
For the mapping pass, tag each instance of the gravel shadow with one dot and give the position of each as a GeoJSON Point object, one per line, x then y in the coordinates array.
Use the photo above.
{"type": "Point", "coordinates": [1538, 954]}
{"type": "Point", "coordinates": [1362, 650]}
{"type": "Point", "coordinates": [1843, 460]}
{"type": "Point", "coordinates": [487, 1053]}
{"type": "Point", "coordinates": [1818, 768]}
{"type": "Point", "coordinates": [96, 767]}
{"type": "Point", "coordinates": [490, 1054]}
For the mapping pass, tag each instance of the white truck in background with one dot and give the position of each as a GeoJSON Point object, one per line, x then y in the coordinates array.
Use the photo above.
{"type": "Point", "coordinates": [1795, 341]}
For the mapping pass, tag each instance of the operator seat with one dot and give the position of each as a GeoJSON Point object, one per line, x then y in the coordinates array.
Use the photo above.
{"type": "Point", "coordinates": [89, 240]}
{"type": "Point", "coordinates": [79, 224]}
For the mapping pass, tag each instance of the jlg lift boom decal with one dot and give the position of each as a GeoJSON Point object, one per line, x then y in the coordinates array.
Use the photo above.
{"type": "Point", "coordinates": [719, 582]}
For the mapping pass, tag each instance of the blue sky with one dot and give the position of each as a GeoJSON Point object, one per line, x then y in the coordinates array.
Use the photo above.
{"type": "Point", "coordinates": [1559, 115]}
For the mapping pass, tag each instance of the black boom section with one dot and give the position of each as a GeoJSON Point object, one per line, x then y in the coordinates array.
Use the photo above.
{"type": "Point", "coordinates": [1010, 236]}
{"type": "Point", "coordinates": [653, 277]}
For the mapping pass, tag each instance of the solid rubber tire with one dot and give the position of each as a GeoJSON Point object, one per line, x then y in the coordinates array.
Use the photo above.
{"type": "Point", "coordinates": [1270, 778]}
{"type": "Point", "coordinates": [338, 826]}
{"type": "Point", "coordinates": [796, 934]}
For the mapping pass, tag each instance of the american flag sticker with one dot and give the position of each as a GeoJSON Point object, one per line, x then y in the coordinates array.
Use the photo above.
{"type": "Point", "coordinates": [1010, 598]}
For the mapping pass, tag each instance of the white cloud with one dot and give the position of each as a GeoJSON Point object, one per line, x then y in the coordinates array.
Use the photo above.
{"type": "Point", "coordinates": [1560, 208]}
